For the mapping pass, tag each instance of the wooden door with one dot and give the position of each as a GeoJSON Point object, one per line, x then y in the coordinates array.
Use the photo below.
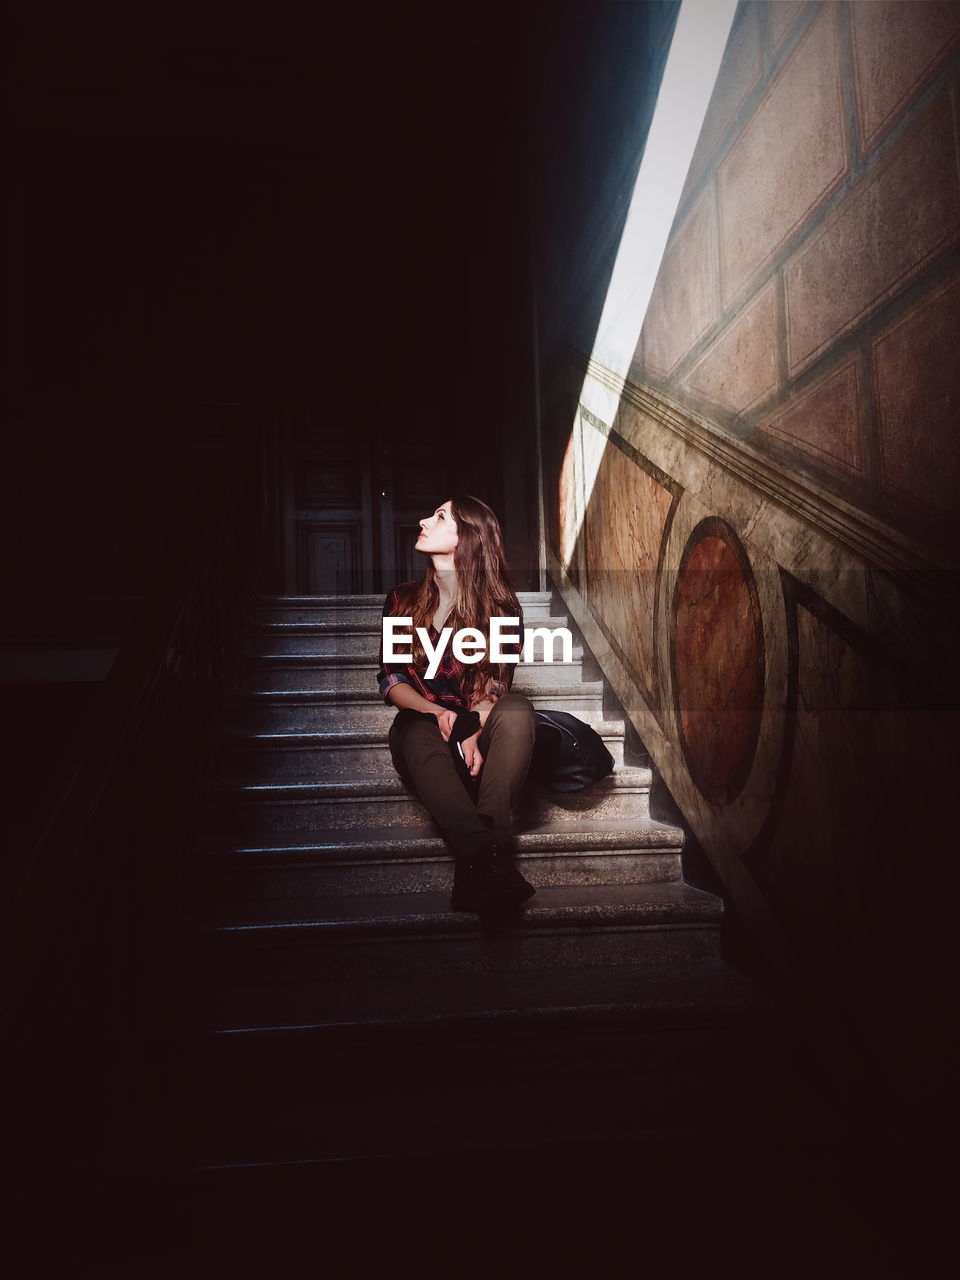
{"type": "Point", "coordinates": [349, 505]}
{"type": "Point", "coordinates": [326, 507]}
{"type": "Point", "coordinates": [414, 484]}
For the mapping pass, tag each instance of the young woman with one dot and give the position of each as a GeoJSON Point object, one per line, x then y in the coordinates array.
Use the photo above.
{"type": "Point", "coordinates": [466, 707]}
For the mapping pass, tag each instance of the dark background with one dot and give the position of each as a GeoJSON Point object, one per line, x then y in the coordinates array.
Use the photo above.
{"type": "Point", "coordinates": [305, 243]}
{"type": "Point", "coordinates": [335, 219]}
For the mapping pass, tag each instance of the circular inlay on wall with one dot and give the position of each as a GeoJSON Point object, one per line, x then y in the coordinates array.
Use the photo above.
{"type": "Point", "coordinates": [718, 660]}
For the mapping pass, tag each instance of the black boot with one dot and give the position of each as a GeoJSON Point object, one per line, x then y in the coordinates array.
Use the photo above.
{"type": "Point", "coordinates": [513, 883]}
{"type": "Point", "coordinates": [473, 880]}
{"type": "Point", "coordinates": [487, 880]}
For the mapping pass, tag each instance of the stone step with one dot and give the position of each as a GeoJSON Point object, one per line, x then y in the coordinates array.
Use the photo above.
{"type": "Point", "coordinates": [301, 932]}
{"type": "Point", "coordinates": [306, 1070]}
{"type": "Point", "coordinates": [278, 675]}
{"type": "Point", "coordinates": [292, 757]}
{"type": "Point", "coordinates": [338, 634]}
{"type": "Point", "coordinates": [290, 990]}
{"type": "Point", "coordinates": [257, 811]}
{"type": "Point", "coordinates": [350, 611]}
{"type": "Point", "coordinates": [314, 711]}
{"type": "Point", "coordinates": [416, 933]}
{"type": "Point", "coordinates": [276, 641]}
{"type": "Point", "coordinates": [378, 860]}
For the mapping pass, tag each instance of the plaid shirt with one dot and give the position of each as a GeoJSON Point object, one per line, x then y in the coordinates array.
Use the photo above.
{"type": "Point", "coordinates": [445, 685]}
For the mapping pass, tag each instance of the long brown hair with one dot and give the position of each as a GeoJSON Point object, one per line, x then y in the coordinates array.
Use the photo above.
{"type": "Point", "coordinates": [484, 590]}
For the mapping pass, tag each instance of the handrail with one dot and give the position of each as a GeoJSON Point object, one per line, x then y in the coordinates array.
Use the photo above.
{"type": "Point", "coordinates": [180, 659]}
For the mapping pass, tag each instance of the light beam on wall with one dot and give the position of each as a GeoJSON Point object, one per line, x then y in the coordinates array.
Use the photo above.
{"type": "Point", "coordinates": [699, 39]}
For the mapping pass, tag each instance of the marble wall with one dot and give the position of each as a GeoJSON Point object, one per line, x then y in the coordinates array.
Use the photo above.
{"type": "Point", "coordinates": [755, 530]}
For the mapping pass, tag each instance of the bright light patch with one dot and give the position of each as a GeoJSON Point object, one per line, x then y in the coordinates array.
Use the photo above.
{"type": "Point", "coordinates": [688, 79]}
{"type": "Point", "coordinates": [696, 50]}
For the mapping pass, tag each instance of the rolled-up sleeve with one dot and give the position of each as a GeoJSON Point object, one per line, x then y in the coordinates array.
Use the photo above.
{"type": "Point", "coordinates": [389, 681]}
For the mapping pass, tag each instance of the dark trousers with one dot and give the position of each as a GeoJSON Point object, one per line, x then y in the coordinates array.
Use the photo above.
{"type": "Point", "coordinates": [437, 775]}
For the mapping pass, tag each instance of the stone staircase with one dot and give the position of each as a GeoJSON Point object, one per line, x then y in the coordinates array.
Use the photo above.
{"type": "Point", "coordinates": [317, 974]}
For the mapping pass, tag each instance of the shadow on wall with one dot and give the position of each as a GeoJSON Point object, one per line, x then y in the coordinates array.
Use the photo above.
{"type": "Point", "coordinates": [758, 527]}
{"type": "Point", "coordinates": [810, 755]}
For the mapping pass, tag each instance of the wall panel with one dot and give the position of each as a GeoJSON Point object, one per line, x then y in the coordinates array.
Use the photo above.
{"type": "Point", "coordinates": [782, 462]}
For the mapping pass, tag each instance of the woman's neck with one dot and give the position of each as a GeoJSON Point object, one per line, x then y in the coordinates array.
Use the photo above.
{"type": "Point", "coordinates": [446, 580]}
{"type": "Point", "coordinates": [444, 566]}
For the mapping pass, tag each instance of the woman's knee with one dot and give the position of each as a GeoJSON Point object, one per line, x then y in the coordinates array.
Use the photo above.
{"type": "Point", "coordinates": [515, 711]}
{"type": "Point", "coordinates": [515, 703]}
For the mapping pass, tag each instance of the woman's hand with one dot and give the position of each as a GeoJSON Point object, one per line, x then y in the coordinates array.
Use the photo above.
{"type": "Point", "coordinates": [471, 754]}
{"type": "Point", "coordinates": [446, 720]}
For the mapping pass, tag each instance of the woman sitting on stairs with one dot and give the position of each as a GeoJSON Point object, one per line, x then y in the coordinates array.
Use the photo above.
{"type": "Point", "coordinates": [461, 740]}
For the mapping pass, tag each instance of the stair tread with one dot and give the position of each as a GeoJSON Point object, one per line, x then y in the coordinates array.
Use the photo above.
{"type": "Point", "coordinates": [598, 833]}
{"type": "Point", "coordinates": [579, 689]}
{"type": "Point", "coordinates": [645, 953]}
{"type": "Point", "coordinates": [388, 783]}
{"type": "Point", "coordinates": [611, 729]}
{"type": "Point", "coordinates": [362, 915]}
{"type": "Point", "coordinates": [603, 992]}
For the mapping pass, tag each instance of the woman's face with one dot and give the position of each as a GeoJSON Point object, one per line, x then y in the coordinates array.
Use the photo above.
{"type": "Point", "coordinates": [438, 532]}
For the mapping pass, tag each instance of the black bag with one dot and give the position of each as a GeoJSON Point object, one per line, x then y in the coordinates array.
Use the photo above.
{"type": "Point", "coordinates": [568, 755]}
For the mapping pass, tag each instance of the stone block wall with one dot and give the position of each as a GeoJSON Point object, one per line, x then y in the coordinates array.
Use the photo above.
{"type": "Point", "coordinates": [756, 531]}
{"type": "Point", "coordinates": [808, 300]}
